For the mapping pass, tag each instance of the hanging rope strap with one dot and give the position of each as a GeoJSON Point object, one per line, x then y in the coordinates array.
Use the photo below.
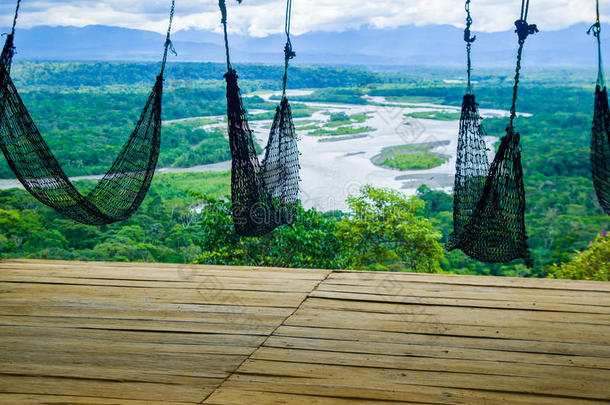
{"type": "Point", "coordinates": [288, 51]}
{"type": "Point", "coordinates": [469, 40]}
{"type": "Point", "coordinates": [223, 10]}
{"type": "Point", "coordinates": [169, 46]}
{"type": "Point", "coordinates": [596, 30]}
{"type": "Point", "coordinates": [281, 164]}
{"type": "Point", "coordinates": [600, 133]}
{"type": "Point", "coordinates": [16, 17]}
{"type": "Point", "coordinates": [523, 31]}
{"type": "Point", "coordinates": [9, 48]}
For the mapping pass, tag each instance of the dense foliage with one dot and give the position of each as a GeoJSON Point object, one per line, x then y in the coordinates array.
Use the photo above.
{"type": "Point", "coordinates": [180, 224]}
{"type": "Point", "coordinates": [87, 110]}
{"type": "Point", "coordinates": [387, 231]}
{"type": "Point", "coordinates": [162, 230]}
{"type": "Point", "coordinates": [592, 264]}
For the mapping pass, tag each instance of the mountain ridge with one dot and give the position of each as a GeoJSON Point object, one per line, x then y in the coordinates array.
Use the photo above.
{"type": "Point", "coordinates": [435, 46]}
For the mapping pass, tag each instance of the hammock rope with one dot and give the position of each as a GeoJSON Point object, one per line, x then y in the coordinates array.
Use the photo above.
{"type": "Point", "coordinates": [600, 133]}
{"type": "Point", "coordinates": [472, 162]}
{"type": "Point", "coordinates": [281, 164]}
{"type": "Point", "coordinates": [469, 41]}
{"type": "Point", "coordinates": [120, 192]}
{"type": "Point", "coordinates": [288, 51]}
{"type": "Point", "coordinates": [16, 17]}
{"type": "Point", "coordinates": [496, 231]}
{"type": "Point", "coordinates": [264, 196]}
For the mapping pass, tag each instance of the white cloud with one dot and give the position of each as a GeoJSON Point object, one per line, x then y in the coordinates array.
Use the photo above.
{"type": "Point", "coordinates": [264, 17]}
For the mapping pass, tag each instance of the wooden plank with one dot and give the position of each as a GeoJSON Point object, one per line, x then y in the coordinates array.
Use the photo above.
{"type": "Point", "coordinates": [398, 323]}
{"type": "Point", "coordinates": [184, 277]}
{"type": "Point", "coordinates": [503, 367]}
{"type": "Point", "coordinates": [154, 269]}
{"type": "Point", "coordinates": [30, 305]}
{"type": "Point", "coordinates": [167, 295]}
{"type": "Point", "coordinates": [457, 302]}
{"type": "Point", "coordinates": [382, 378]}
{"type": "Point", "coordinates": [393, 284]}
{"type": "Point", "coordinates": [29, 399]}
{"type": "Point", "coordinates": [469, 315]}
{"type": "Point", "coordinates": [235, 318]}
{"type": "Point", "coordinates": [137, 366]}
{"type": "Point", "coordinates": [232, 396]}
{"type": "Point", "coordinates": [70, 343]}
{"type": "Point", "coordinates": [119, 390]}
{"type": "Point", "coordinates": [203, 282]}
{"type": "Point", "coordinates": [136, 325]}
{"type": "Point", "coordinates": [240, 389]}
{"type": "Point", "coordinates": [528, 283]}
{"type": "Point", "coordinates": [474, 342]}
{"type": "Point", "coordinates": [432, 350]}
{"type": "Point", "coordinates": [232, 342]}
{"type": "Point", "coordinates": [416, 290]}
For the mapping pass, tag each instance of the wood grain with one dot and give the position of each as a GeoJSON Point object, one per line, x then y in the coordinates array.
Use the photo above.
{"type": "Point", "coordinates": [138, 333]}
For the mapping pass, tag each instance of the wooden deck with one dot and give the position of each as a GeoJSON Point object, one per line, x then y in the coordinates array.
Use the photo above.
{"type": "Point", "coordinates": [100, 333]}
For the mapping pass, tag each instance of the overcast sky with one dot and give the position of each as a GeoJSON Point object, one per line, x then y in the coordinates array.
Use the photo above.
{"type": "Point", "coordinates": [264, 17]}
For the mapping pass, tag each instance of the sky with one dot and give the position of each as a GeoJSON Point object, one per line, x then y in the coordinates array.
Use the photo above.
{"type": "Point", "coordinates": [260, 18]}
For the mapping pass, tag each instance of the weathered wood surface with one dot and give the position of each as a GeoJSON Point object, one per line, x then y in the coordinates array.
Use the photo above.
{"type": "Point", "coordinates": [100, 333]}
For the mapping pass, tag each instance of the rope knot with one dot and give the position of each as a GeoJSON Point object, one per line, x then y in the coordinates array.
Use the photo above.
{"type": "Point", "coordinates": [595, 29]}
{"type": "Point", "coordinates": [469, 39]}
{"type": "Point", "coordinates": [524, 29]}
{"type": "Point", "coordinates": [288, 52]}
{"type": "Point", "coordinates": [169, 45]}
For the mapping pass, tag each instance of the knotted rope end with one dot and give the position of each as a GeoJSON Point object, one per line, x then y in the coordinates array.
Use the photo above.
{"type": "Point", "coordinates": [170, 47]}
{"type": "Point", "coordinates": [595, 29]}
{"type": "Point", "coordinates": [467, 37]}
{"type": "Point", "coordinates": [524, 29]}
{"type": "Point", "coordinates": [289, 52]}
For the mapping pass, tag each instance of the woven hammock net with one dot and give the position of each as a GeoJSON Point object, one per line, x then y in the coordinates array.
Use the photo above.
{"type": "Point", "coordinates": [496, 231]}
{"type": "Point", "coordinates": [121, 191]}
{"type": "Point", "coordinates": [263, 196]}
{"type": "Point", "coordinates": [490, 212]}
{"type": "Point", "coordinates": [600, 148]}
{"type": "Point", "coordinates": [472, 167]}
{"type": "Point", "coordinates": [281, 164]}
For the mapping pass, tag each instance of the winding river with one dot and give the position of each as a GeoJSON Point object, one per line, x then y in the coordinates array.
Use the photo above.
{"type": "Point", "coordinates": [331, 171]}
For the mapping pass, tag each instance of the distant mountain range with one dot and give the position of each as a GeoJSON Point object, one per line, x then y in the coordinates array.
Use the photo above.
{"type": "Point", "coordinates": [439, 46]}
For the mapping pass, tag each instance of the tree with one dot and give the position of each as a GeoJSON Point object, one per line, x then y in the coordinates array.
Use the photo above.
{"type": "Point", "coordinates": [3, 243]}
{"type": "Point", "coordinates": [436, 201]}
{"type": "Point", "coordinates": [309, 243]}
{"type": "Point", "coordinates": [387, 231]}
{"type": "Point", "coordinates": [592, 264]}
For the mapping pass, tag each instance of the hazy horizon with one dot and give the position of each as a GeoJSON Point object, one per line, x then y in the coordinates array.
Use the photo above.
{"type": "Point", "coordinates": [261, 18]}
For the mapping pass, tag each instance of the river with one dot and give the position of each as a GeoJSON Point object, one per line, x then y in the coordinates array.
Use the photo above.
{"type": "Point", "coordinates": [331, 171]}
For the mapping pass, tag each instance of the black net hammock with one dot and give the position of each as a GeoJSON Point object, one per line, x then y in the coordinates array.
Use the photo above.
{"type": "Point", "coordinates": [120, 192]}
{"type": "Point", "coordinates": [495, 233]}
{"type": "Point", "coordinates": [264, 196]}
{"type": "Point", "coordinates": [600, 134]}
{"type": "Point", "coordinates": [472, 164]}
